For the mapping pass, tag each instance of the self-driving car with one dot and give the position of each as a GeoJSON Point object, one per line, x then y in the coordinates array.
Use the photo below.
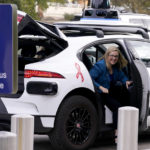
{"type": "Point", "coordinates": [113, 15]}
{"type": "Point", "coordinates": [54, 84]}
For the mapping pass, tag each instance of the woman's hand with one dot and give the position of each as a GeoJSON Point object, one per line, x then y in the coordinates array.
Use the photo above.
{"type": "Point", "coordinates": [128, 83]}
{"type": "Point", "coordinates": [104, 90]}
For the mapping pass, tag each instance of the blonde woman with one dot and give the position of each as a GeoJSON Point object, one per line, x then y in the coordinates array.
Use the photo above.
{"type": "Point", "coordinates": [105, 73]}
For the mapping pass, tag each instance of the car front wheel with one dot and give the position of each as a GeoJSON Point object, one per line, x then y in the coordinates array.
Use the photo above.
{"type": "Point", "coordinates": [75, 125]}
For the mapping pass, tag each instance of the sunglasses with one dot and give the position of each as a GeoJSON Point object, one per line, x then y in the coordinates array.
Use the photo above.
{"type": "Point", "coordinates": [115, 56]}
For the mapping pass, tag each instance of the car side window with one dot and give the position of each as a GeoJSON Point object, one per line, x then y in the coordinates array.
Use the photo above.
{"type": "Point", "coordinates": [94, 53]}
{"type": "Point", "coordinates": [141, 51]}
{"type": "Point", "coordinates": [109, 44]}
{"type": "Point", "coordinates": [91, 54]}
{"type": "Point", "coordinates": [103, 48]}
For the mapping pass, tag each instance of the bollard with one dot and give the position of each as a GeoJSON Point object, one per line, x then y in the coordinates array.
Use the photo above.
{"type": "Point", "coordinates": [128, 128]}
{"type": "Point", "coordinates": [7, 140]}
{"type": "Point", "coordinates": [23, 126]}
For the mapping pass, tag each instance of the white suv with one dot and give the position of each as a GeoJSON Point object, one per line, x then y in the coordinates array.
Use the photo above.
{"type": "Point", "coordinates": [55, 85]}
{"type": "Point", "coordinates": [135, 18]}
{"type": "Point", "coordinates": [114, 16]}
{"type": "Point", "coordinates": [140, 19]}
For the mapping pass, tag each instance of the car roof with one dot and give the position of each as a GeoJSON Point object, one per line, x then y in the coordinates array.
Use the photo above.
{"type": "Point", "coordinates": [141, 19]}
{"type": "Point", "coordinates": [126, 16]}
{"type": "Point", "coordinates": [121, 28]}
{"type": "Point", "coordinates": [85, 40]}
{"type": "Point", "coordinates": [133, 14]}
{"type": "Point", "coordinates": [91, 21]}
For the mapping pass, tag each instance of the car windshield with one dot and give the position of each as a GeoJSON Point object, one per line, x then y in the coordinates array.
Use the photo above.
{"type": "Point", "coordinates": [141, 49]}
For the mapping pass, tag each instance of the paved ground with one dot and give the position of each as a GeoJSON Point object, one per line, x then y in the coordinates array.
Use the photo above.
{"type": "Point", "coordinates": [42, 143]}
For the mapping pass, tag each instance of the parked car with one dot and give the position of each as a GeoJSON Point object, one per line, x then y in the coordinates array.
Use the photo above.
{"type": "Point", "coordinates": [135, 18]}
{"type": "Point", "coordinates": [55, 85]}
{"type": "Point", "coordinates": [99, 14]}
{"type": "Point", "coordinates": [113, 15]}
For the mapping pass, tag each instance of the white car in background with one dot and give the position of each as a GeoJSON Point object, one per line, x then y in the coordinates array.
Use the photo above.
{"type": "Point", "coordinates": [55, 85]}
{"type": "Point", "coordinates": [135, 18]}
{"type": "Point", "coordinates": [113, 15]}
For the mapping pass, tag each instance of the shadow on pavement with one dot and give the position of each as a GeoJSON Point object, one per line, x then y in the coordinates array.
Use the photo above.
{"type": "Point", "coordinates": [104, 142]}
{"type": "Point", "coordinates": [41, 142]}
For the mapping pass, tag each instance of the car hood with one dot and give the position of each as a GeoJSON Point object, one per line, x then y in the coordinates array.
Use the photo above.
{"type": "Point", "coordinates": [28, 26]}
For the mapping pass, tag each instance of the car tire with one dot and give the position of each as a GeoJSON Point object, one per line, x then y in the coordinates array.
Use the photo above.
{"type": "Point", "coordinates": [75, 125]}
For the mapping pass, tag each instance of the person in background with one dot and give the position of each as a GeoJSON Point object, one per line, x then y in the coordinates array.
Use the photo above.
{"type": "Point", "coordinates": [106, 74]}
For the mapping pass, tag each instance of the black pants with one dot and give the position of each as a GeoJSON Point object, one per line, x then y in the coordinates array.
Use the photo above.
{"type": "Point", "coordinates": [118, 96]}
{"type": "Point", "coordinates": [113, 105]}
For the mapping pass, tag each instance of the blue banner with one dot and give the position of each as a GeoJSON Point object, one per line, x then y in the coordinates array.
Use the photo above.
{"type": "Point", "coordinates": [7, 49]}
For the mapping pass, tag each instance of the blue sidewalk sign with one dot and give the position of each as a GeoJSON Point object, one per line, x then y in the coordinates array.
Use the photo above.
{"type": "Point", "coordinates": [8, 49]}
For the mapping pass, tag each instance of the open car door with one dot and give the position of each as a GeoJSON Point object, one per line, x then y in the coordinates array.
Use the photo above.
{"type": "Point", "coordinates": [141, 59]}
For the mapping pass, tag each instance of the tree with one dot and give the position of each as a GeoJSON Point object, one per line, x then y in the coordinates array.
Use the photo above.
{"type": "Point", "coordinates": [29, 6]}
{"type": "Point", "coordinates": [11, 2]}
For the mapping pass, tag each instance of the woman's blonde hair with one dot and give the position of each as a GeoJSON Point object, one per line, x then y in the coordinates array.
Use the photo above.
{"type": "Point", "coordinates": [121, 63]}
